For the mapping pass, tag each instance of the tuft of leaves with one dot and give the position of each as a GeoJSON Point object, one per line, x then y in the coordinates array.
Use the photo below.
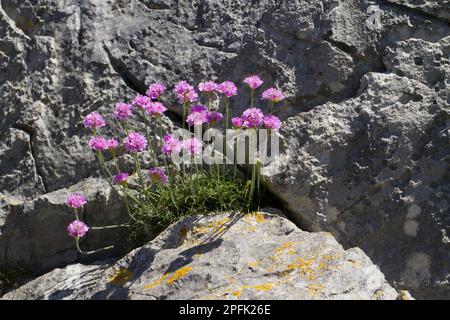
{"type": "Point", "coordinates": [206, 192]}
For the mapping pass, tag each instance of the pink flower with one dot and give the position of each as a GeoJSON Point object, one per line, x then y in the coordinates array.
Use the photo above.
{"type": "Point", "coordinates": [123, 111]}
{"type": "Point", "coordinates": [183, 87]}
{"type": "Point", "coordinates": [213, 117]}
{"type": "Point", "coordinates": [228, 88]}
{"type": "Point", "coordinates": [135, 142]}
{"type": "Point", "coordinates": [197, 118]}
{"type": "Point", "coordinates": [253, 81]}
{"type": "Point", "coordinates": [273, 95]}
{"type": "Point", "coordinates": [76, 200]}
{"type": "Point", "coordinates": [158, 175]}
{"type": "Point", "coordinates": [171, 145]}
{"type": "Point", "coordinates": [112, 143]}
{"type": "Point", "coordinates": [98, 144]}
{"type": "Point", "coordinates": [272, 122]}
{"type": "Point", "coordinates": [208, 86]}
{"type": "Point", "coordinates": [120, 178]}
{"type": "Point", "coordinates": [198, 108]}
{"type": "Point", "coordinates": [77, 229]}
{"type": "Point", "coordinates": [94, 120]}
{"type": "Point", "coordinates": [252, 118]}
{"type": "Point", "coordinates": [189, 96]}
{"type": "Point", "coordinates": [193, 146]}
{"type": "Point", "coordinates": [155, 90]}
{"type": "Point", "coordinates": [236, 122]}
{"type": "Point", "coordinates": [155, 109]}
{"type": "Point", "coordinates": [141, 101]}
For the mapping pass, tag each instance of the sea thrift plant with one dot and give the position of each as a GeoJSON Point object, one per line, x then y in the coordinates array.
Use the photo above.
{"type": "Point", "coordinates": [171, 182]}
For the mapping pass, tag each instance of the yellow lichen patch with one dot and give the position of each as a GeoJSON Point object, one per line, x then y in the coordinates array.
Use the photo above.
{"type": "Point", "coordinates": [183, 234]}
{"type": "Point", "coordinates": [253, 263]}
{"type": "Point", "coordinates": [237, 293]}
{"type": "Point", "coordinates": [216, 226]}
{"type": "Point", "coordinates": [180, 273]}
{"type": "Point", "coordinates": [158, 282]}
{"type": "Point", "coordinates": [285, 246]}
{"type": "Point", "coordinates": [258, 217]}
{"type": "Point", "coordinates": [120, 277]}
{"type": "Point", "coordinates": [263, 287]}
{"type": "Point", "coordinates": [314, 289]}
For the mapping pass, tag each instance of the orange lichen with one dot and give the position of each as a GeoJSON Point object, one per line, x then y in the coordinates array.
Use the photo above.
{"type": "Point", "coordinates": [215, 226]}
{"type": "Point", "coordinates": [120, 277]}
{"type": "Point", "coordinates": [180, 273]}
{"type": "Point", "coordinates": [157, 282]}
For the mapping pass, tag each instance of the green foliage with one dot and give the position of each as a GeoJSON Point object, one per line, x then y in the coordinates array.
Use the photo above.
{"type": "Point", "coordinates": [207, 192]}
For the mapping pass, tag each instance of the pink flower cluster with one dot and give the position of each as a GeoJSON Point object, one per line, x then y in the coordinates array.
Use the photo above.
{"type": "Point", "coordinates": [170, 145]}
{"type": "Point", "coordinates": [77, 229]}
{"type": "Point", "coordinates": [158, 175]}
{"type": "Point", "coordinates": [185, 92]}
{"type": "Point", "coordinates": [155, 109]}
{"type": "Point", "coordinates": [193, 146]}
{"type": "Point", "coordinates": [94, 120]}
{"type": "Point", "coordinates": [228, 89]}
{"type": "Point", "coordinates": [155, 90]}
{"type": "Point", "coordinates": [98, 143]}
{"type": "Point", "coordinates": [253, 82]}
{"type": "Point", "coordinates": [273, 95]}
{"type": "Point", "coordinates": [135, 142]}
{"type": "Point", "coordinates": [208, 86]}
{"type": "Point", "coordinates": [253, 118]}
{"type": "Point", "coordinates": [120, 178]}
{"type": "Point", "coordinates": [199, 115]}
{"type": "Point", "coordinates": [76, 200]}
{"type": "Point", "coordinates": [141, 101]}
{"type": "Point", "coordinates": [123, 111]}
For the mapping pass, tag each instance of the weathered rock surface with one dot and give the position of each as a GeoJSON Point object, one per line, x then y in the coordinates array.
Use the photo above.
{"type": "Point", "coordinates": [34, 234]}
{"type": "Point", "coordinates": [225, 256]}
{"type": "Point", "coordinates": [374, 170]}
{"type": "Point", "coordinates": [60, 60]}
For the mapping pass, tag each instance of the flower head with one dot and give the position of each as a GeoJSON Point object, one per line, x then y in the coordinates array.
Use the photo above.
{"type": "Point", "coordinates": [112, 143]}
{"type": "Point", "coordinates": [273, 95]}
{"type": "Point", "coordinates": [236, 122]}
{"type": "Point", "coordinates": [155, 90]}
{"type": "Point", "coordinates": [94, 120]}
{"type": "Point", "coordinates": [98, 143]}
{"type": "Point", "coordinates": [198, 108]}
{"type": "Point", "coordinates": [155, 109]}
{"type": "Point", "coordinates": [213, 117]}
{"type": "Point", "coordinates": [193, 146]}
{"type": "Point", "coordinates": [123, 111]}
{"type": "Point", "coordinates": [120, 178]}
{"type": "Point", "coordinates": [208, 86]}
{"type": "Point", "coordinates": [135, 142]}
{"type": "Point", "coordinates": [197, 118]}
{"type": "Point", "coordinates": [171, 145]}
{"type": "Point", "coordinates": [76, 200]}
{"type": "Point", "coordinates": [228, 88]}
{"type": "Point", "coordinates": [252, 118]}
{"type": "Point", "coordinates": [158, 175]}
{"type": "Point", "coordinates": [183, 87]}
{"type": "Point", "coordinates": [141, 101]}
{"type": "Point", "coordinates": [272, 122]}
{"type": "Point", "coordinates": [77, 229]}
{"type": "Point", "coordinates": [189, 96]}
{"type": "Point", "coordinates": [253, 81]}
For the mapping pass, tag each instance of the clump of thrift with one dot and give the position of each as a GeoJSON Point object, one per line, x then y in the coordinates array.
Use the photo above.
{"type": "Point", "coordinates": [272, 94]}
{"type": "Point", "coordinates": [253, 82]}
{"type": "Point", "coordinates": [252, 118]}
{"type": "Point", "coordinates": [155, 109]}
{"type": "Point", "coordinates": [208, 86]}
{"type": "Point", "coordinates": [120, 178]}
{"type": "Point", "coordinates": [227, 88]}
{"type": "Point", "coordinates": [171, 145]}
{"type": "Point", "coordinates": [99, 144]}
{"type": "Point", "coordinates": [155, 90]}
{"type": "Point", "coordinates": [213, 117]}
{"type": "Point", "coordinates": [141, 101]}
{"type": "Point", "coordinates": [271, 122]}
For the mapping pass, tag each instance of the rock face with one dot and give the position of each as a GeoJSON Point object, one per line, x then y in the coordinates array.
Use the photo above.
{"type": "Point", "coordinates": [225, 256]}
{"type": "Point", "coordinates": [34, 232]}
{"type": "Point", "coordinates": [60, 60]}
{"type": "Point", "coordinates": [374, 171]}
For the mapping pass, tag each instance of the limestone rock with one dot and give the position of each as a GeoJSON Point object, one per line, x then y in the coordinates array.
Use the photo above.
{"type": "Point", "coordinates": [33, 233]}
{"type": "Point", "coordinates": [374, 170]}
{"type": "Point", "coordinates": [224, 256]}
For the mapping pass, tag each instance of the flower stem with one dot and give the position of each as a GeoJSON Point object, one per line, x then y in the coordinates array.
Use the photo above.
{"type": "Point", "coordinates": [77, 242]}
